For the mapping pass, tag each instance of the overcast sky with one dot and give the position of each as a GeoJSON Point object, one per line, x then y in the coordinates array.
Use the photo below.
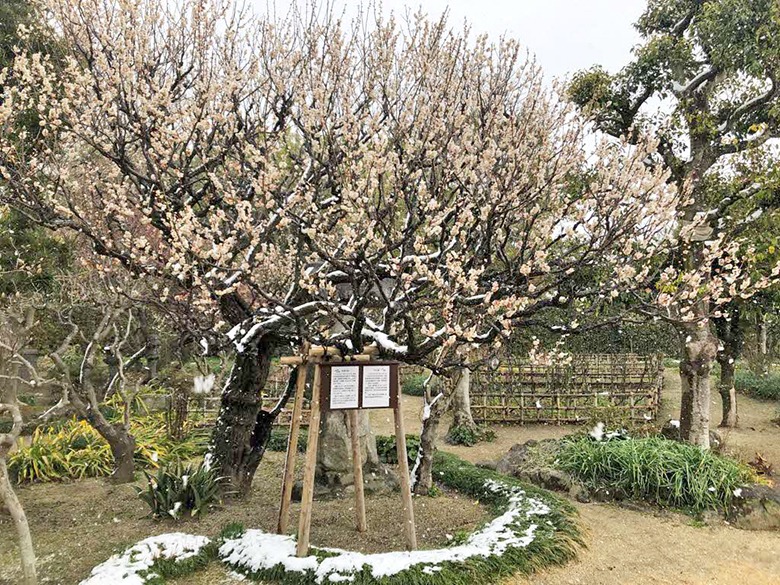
{"type": "Point", "coordinates": [565, 35]}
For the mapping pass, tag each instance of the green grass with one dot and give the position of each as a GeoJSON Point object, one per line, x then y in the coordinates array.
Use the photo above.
{"type": "Point", "coordinates": [657, 470]}
{"type": "Point", "coordinates": [164, 569]}
{"type": "Point", "coordinates": [766, 387]}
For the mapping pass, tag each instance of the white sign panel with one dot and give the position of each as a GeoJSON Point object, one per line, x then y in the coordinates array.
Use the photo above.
{"type": "Point", "coordinates": [376, 386]}
{"type": "Point", "coordinates": [344, 387]}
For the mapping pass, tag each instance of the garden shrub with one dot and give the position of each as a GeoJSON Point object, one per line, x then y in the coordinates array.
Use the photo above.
{"type": "Point", "coordinates": [279, 436]}
{"type": "Point", "coordinates": [73, 449]}
{"type": "Point", "coordinates": [661, 471]}
{"type": "Point", "coordinates": [469, 436]}
{"type": "Point", "coordinates": [385, 448]}
{"type": "Point", "coordinates": [176, 490]}
{"type": "Point", "coordinates": [413, 384]}
{"type": "Point", "coordinates": [763, 387]}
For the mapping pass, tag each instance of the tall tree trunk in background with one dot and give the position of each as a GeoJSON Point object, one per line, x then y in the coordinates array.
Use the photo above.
{"type": "Point", "coordinates": [730, 333]}
{"type": "Point", "coordinates": [699, 349]}
{"type": "Point", "coordinates": [461, 405]}
{"type": "Point", "coordinates": [240, 428]}
{"type": "Point", "coordinates": [763, 348]}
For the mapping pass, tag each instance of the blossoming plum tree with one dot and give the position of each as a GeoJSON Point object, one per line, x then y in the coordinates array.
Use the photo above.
{"type": "Point", "coordinates": [406, 185]}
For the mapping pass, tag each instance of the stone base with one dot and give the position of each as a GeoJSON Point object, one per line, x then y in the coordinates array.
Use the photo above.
{"type": "Point", "coordinates": [329, 485]}
{"type": "Point", "coordinates": [758, 508]}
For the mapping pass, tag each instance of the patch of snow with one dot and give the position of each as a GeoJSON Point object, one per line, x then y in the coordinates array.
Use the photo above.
{"type": "Point", "coordinates": [675, 423]}
{"type": "Point", "coordinates": [383, 339]}
{"type": "Point", "coordinates": [256, 550]}
{"type": "Point", "coordinates": [597, 432]}
{"type": "Point", "coordinates": [124, 569]}
{"type": "Point", "coordinates": [203, 384]}
{"type": "Point", "coordinates": [738, 493]}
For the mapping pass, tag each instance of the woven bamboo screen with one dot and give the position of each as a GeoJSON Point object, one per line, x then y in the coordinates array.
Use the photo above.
{"type": "Point", "coordinates": [521, 392]}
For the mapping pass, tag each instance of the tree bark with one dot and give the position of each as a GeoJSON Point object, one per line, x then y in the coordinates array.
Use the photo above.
{"type": "Point", "coordinates": [728, 394]}
{"type": "Point", "coordinates": [122, 448]}
{"type": "Point", "coordinates": [461, 405]}
{"type": "Point", "coordinates": [699, 350]}
{"type": "Point", "coordinates": [422, 474]}
{"type": "Point", "coordinates": [241, 432]}
{"type": "Point", "coordinates": [9, 499]}
{"type": "Point", "coordinates": [730, 333]}
{"type": "Point", "coordinates": [11, 502]}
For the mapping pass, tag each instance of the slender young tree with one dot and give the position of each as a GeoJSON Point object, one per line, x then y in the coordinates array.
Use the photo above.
{"type": "Point", "coordinates": [716, 66]}
{"type": "Point", "coordinates": [15, 335]}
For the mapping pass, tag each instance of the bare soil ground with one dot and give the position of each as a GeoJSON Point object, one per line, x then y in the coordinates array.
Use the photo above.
{"type": "Point", "coordinates": [77, 525]}
{"type": "Point", "coordinates": [80, 524]}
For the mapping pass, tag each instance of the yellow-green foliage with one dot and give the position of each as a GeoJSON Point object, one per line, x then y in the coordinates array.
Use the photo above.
{"type": "Point", "coordinates": [75, 450]}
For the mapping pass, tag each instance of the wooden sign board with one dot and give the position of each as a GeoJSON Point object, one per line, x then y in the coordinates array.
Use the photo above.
{"type": "Point", "coordinates": [343, 385]}
{"type": "Point", "coordinates": [358, 385]}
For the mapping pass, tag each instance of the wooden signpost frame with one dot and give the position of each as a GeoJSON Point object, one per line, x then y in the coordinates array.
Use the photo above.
{"type": "Point", "coordinates": [323, 360]}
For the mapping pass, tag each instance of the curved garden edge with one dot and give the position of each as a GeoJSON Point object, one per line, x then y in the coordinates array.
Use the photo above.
{"type": "Point", "coordinates": [532, 529]}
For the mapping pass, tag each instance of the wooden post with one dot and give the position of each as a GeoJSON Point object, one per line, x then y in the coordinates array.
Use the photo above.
{"type": "Point", "coordinates": [357, 471]}
{"type": "Point", "coordinates": [292, 451]}
{"type": "Point", "coordinates": [403, 468]}
{"type": "Point", "coordinates": [304, 523]}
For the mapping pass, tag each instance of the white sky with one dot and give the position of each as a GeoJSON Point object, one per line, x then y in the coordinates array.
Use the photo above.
{"type": "Point", "coordinates": [565, 35]}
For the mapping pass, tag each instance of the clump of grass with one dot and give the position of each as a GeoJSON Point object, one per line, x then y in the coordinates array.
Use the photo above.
{"type": "Point", "coordinates": [179, 490]}
{"type": "Point", "coordinates": [657, 470]}
{"type": "Point", "coordinates": [763, 387]}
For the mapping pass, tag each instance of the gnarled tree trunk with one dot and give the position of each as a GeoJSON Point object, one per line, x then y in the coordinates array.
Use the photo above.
{"type": "Point", "coordinates": [422, 474]}
{"type": "Point", "coordinates": [461, 405]}
{"type": "Point", "coordinates": [241, 432]}
{"type": "Point", "coordinates": [699, 349]}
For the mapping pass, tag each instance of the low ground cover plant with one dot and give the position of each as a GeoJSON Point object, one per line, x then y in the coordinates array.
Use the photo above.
{"type": "Point", "coordinates": [657, 470]}
{"type": "Point", "coordinates": [761, 386]}
{"type": "Point", "coordinates": [470, 436]}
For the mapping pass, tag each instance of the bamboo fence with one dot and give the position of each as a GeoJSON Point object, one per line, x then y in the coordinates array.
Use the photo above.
{"type": "Point", "coordinates": [521, 392]}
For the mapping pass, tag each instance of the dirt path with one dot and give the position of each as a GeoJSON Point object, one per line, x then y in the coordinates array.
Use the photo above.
{"type": "Point", "coordinates": [627, 547]}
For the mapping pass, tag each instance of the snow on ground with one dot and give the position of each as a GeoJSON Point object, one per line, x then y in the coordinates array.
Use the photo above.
{"type": "Point", "coordinates": [256, 550]}
{"type": "Point", "coordinates": [125, 568]}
